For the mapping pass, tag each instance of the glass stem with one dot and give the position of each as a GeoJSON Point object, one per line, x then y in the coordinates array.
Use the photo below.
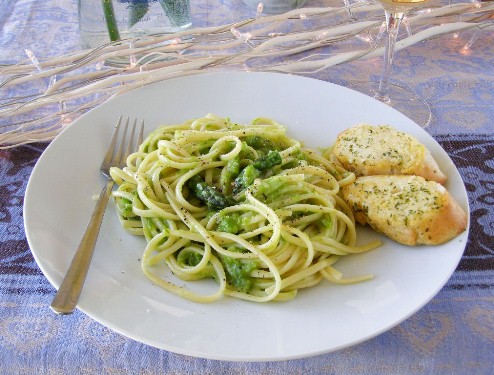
{"type": "Point", "coordinates": [393, 21]}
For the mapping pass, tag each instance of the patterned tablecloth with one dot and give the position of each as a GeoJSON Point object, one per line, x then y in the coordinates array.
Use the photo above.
{"type": "Point", "coordinates": [452, 334]}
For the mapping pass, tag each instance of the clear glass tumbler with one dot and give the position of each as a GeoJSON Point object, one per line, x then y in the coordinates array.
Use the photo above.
{"type": "Point", "coordinates": [102, 21]}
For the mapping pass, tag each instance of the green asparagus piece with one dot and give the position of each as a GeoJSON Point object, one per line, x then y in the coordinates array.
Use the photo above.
{"type": "Point", "coordinates": [214, 199]}
{"type": "Point", "coordinates": [245, 179]}
{"type": "Point", "coordinates": [252, 171]}
{"type": "Point", "coordinates": [232, 169]}
{"type": "Point", "coordinates": [260, 144]}
{"type": "Point", "coordinates": [270, 160]}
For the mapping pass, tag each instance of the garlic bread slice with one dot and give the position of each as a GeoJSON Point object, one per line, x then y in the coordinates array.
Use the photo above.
{"type": "Point", "coordinates": [407, 209]}
{"type": "Point", "coordinates": [370, 150]}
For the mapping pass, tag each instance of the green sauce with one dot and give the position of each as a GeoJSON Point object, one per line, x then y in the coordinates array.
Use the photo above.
{"type": "Point", "coordinates": [238, 272]}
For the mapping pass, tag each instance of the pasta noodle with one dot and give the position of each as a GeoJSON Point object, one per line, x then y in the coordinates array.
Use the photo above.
{"type": "Point", "coordinates": [244, 205]}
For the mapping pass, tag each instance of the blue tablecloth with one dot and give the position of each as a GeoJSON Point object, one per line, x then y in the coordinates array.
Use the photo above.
{"type": "Point", "coordinates": [453, 334]}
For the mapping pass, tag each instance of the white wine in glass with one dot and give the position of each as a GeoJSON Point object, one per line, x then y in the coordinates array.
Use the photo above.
{"type": "Point", "coordinates": [398, 97]}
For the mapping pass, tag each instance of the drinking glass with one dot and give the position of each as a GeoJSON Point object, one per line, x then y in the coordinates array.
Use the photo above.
{"type": "Point", "coordinates": [396, 96]}
{"type": "Point", "coordinates": [102, 21]}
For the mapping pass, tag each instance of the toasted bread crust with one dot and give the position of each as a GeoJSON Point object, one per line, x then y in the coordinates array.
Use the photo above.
{"type": "Point", "coordinates": [370, 150]}
{"type": "Point", "coordinates": [408, 209]}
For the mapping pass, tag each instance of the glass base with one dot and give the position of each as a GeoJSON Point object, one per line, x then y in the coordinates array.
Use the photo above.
{"type": "Point", "coordinates": [400, 98]}
{"type": "Point", "coordinates": [275, 6]}
{"type": "Point", "coordinates": [124, 20]}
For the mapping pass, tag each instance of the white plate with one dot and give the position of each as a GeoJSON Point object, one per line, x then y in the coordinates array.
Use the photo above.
{"type": "Point", "coordinates": [58, 204]}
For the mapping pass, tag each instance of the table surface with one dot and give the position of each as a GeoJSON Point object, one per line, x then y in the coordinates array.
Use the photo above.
{"type": "Point", "coordinates": [452, 334]}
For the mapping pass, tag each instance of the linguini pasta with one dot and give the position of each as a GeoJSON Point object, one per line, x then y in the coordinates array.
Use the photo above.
{"type": "Point", "coordinates": [244, 205]}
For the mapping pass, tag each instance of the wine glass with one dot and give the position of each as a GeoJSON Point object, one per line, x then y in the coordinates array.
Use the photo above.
{"type": "Point", "coordinates": [396, 96]}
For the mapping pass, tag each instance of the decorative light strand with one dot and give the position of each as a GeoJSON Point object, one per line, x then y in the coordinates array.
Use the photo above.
{"type": "Point", "coordinates": [83, 80]}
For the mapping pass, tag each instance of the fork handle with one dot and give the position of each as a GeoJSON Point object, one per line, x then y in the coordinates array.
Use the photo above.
{"type": "Point", "coordinates": [65, 301]}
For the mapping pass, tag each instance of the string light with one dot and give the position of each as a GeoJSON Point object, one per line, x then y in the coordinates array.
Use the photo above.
{"type": "Point", "coordinates": [243, 37]}
{"type": "Point", "coordinates": [259, 10]}
{"type": "Point", "coordinates": [87, 76]}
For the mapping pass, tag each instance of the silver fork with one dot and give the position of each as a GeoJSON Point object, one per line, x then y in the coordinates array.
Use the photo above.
{"type": "Point", "coordinates": [65, 301]}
